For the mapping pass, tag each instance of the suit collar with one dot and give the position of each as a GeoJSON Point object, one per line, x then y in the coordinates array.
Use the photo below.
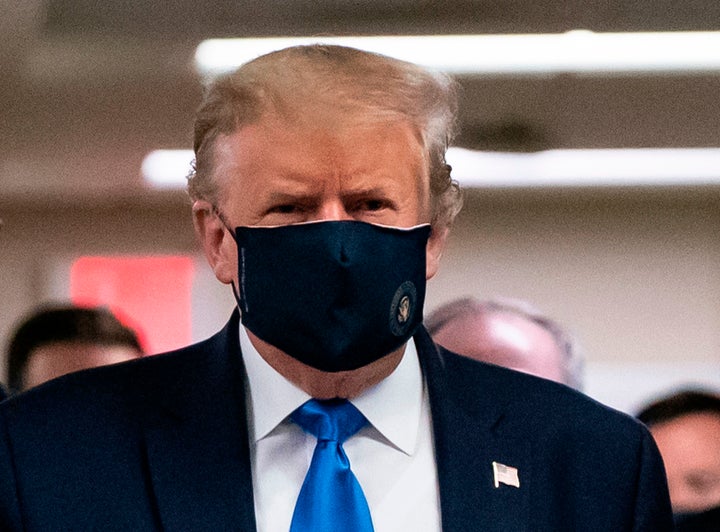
{"type": "Point", "coordinates": [462, 398]}
{"type": "Point", "coordinates": [198, 439]}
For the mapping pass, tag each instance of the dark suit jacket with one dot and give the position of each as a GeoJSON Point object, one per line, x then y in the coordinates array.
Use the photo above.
{"type": "Point", "coordinates": [705, 521]}
{"type": "Point", "coordinates": [162, 444]}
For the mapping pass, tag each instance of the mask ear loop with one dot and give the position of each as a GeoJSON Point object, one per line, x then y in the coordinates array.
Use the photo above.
{"type": "Point", "coordinates": [235, 289]}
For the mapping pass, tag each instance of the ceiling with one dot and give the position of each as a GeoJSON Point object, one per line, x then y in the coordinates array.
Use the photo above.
{"type": "Point", "coordinates": [89, 87]}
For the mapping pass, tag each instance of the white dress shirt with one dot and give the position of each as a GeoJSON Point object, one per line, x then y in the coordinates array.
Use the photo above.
{"type": "Point", "coordinates": [392, 457]}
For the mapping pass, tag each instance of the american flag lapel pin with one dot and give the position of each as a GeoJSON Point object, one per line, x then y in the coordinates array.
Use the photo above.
{"type": "Point", "coordinates": [507, 475]}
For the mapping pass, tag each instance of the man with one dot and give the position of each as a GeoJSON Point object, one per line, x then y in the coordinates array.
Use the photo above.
{"type": "Point", "coordinates": [686, 427]}
{"type": "Point", "coordinates": [321, 195]}
{"type": "Point", "coordinates": [507, 333]}
{"type": "Point", "coordinates": [59, 339]}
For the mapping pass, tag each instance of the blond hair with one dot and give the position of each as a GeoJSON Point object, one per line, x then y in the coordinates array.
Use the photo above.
{"type": "Point", "coordinates": [344, 82]}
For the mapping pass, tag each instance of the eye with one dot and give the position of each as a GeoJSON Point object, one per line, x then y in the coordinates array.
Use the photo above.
{"type": "Point", "coordinates": [374, 205]}
{"type": "Point", "coordinates": [371, 205]}
{"type": "Point", "coordinates": [285, 208]}
{"type": "Point", "coordinates": [287, 211]}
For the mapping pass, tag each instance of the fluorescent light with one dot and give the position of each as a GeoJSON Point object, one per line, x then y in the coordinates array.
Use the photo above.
{"type": "Point", "coordinates": [578, 51]}
{"type": "Point", "coordinates": [587, 168]}
{"type": "Point", "coordinates": [167, 168]}
{"type": "Point", "coordinates": [552, 168]}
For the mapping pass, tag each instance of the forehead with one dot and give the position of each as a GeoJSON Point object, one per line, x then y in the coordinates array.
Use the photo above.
{"type": "Point", "coordinates": [57, 358]}
{"type": "Point", "coordinates": [689, 442]}
{"type": "Point", "coordinates": [321, 145]}
{"type": "Point", "coordinates": [690, 427]}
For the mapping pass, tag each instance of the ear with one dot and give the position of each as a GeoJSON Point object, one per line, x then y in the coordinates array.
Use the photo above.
{"type": "Point", "coordinates": [217, 242]}
{"type": "Point", "coordinates": [434, 250]}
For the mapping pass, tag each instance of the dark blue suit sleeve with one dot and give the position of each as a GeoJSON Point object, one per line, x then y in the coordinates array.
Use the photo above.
{"type": "Point", "coordinates": [652, 504]}
{"type": "Point", "coordinates": [9, 508]}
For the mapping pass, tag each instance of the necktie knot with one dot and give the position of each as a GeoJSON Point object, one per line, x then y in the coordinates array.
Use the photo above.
{"type": "Point", "coordinates": [331, 499]}
{"type": "Point", "coordinates": [329, 420]}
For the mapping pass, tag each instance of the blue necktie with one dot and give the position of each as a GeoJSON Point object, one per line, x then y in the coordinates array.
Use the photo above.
{"type": "Point", "coordinates": [331, 499]}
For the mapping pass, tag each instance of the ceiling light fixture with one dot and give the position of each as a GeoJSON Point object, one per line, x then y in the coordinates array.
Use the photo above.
{"type": "Point", "coordinates": [553, 168]}
{"type": "Point", "coordinates": [587, 168]}
{"type": "Point", "coordinates": [578, 51]}
{"type": "Point", "coordinates": [167, 169]}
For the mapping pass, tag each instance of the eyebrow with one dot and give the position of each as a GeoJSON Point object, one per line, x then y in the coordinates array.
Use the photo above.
{"type": "Point", "coordinates": [368, 191]}
{"type": "Point", "coordinates": [282, 197]}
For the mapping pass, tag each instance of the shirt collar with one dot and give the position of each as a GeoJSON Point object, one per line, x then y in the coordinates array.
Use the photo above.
{"type": "Point", "coordinates": [393, 406]}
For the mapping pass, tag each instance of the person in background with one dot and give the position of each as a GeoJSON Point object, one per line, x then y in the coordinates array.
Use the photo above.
{"type": "Point", "coordinates": [322, 198]}
{"type": "Point", "coordinates": [686, 428]}
{"type": "Point", "coordinates": [59, 339]}
{"type": "Point", "coordinates": [507, 333]}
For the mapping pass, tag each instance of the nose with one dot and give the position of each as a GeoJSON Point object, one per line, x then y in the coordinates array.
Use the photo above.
{"type": "Point", "coordinates": [332, 209]}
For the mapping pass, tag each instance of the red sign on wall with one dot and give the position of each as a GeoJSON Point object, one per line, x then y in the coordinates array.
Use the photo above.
{"type": "Point", "coordinates": [150, 294]}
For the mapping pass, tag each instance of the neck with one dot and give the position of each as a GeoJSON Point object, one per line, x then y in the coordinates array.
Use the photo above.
{"type": "Point", "coordinates": [324, 384]}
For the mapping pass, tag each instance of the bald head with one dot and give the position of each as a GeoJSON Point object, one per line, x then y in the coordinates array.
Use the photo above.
{"type": "Point", "coordinates": [506, 335]}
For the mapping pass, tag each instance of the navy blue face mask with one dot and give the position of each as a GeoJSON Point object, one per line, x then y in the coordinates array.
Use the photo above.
{"type": "Point", "coordinates": [335, 295]}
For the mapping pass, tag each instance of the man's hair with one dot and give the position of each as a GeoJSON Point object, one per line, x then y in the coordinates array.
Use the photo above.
{"type": "Point", "coordinates": [338, 82]}
{"type": "Point", "coordinates": [63, 323]}
{"type": "Point", "coordinates": [678, 404]}
{"type": "Point", "coordinates": [470, 306]}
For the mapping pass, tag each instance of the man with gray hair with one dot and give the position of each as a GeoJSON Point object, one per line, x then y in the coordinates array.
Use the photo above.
{"type": "Point", "coordinates": [508, 333]}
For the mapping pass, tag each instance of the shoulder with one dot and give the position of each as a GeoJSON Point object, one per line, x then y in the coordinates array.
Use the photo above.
{"type": "Point", "coordinates": [576, 456]}
{"type": "Point", "coordinates": [525, 402]}
{"type": "Point", "coordinates": [110, 379]}
{"type": "Point", "coordinates": [116, 391]}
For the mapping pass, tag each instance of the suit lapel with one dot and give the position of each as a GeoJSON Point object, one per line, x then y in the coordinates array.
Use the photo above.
{"type": "Point", "coordinates": [197, 442]}
{"type": "Point", "coordinates": [460, 402]}
{"type": "Point", "coordinates": [198, 454]}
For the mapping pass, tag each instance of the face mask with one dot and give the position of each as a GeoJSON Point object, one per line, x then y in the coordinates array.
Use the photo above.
{"type": "Point", "coordinates": [335, 295]}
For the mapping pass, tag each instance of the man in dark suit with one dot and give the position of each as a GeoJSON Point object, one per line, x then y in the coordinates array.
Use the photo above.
{"type": "Point", "coordinates": [322, 196]}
